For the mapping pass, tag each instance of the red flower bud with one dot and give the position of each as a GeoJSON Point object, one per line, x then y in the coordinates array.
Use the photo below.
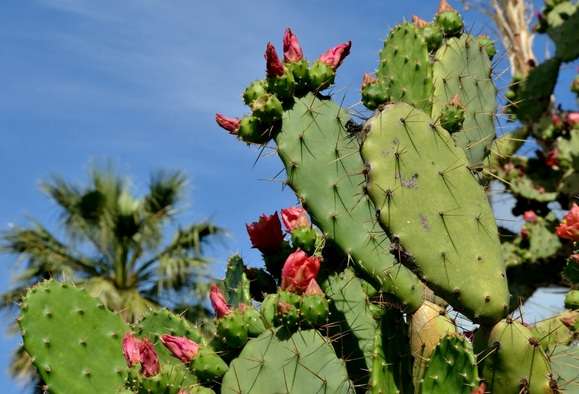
{"type": "Point", "coordinates": [220, 306]}
{"type": "Point", "coordinates": [480, 389]}
{"type": "Point", "coordinates": [229, 124]}
{"type": "Point", "coordinates": [333, 57]}
{"type": "Point", "coordinates": [569, 226]}
{"type": "Point", "coordinates": [266, 234]}
{"type": "Point", "coordinates": [572, 118]}
{"type": "Point", "coordinates": [552, 157]}
{"type": "Point", "coordinates": [298, 270]}
{"type": "Point", "coordinates": [292, 52]}
{"type": "Point", "coordinates": [530, 216]}
{"type": "Point", "coordinates": [274, 67]}
{"type": "Point", "coordinates": [131, 349]}
{"type": "Point", "coordinates": [556, 120]}
{"type": "Point", "coordinates": [368, 79]}
{"type": "Point", "coordinates": [149, 360]}
{"type": "Point", "coordinates": [182, 348]}
{"type": "Point", "coordinates": [443, 6]}
{"type": "Point", "coordinates": [294, 217]}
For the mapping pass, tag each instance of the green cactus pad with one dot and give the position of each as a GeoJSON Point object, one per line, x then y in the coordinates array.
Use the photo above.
{"type": "Point", "coordinates": [427, 199]}
{"type": "Point", "coordinates": [236, 284]}
{"type": "Point", "coordinates": [358, 331]}
{"type": "Point", "coordinates": [558, 330]}
{"type": "Point", "coordinates": [325, 170]}
{"type": "Point", "coordinates": [462, 68]}
{"type": "Point", "coordinates": [564, 362]}
{"type": "Point", "coordinates": [563, 30]}
{"type": "Point", "coordinates": [452, 368]}
{"type": "Point", "coordinates": [74, 340]}
{"type": "Point", "coordinates": [515, 361]}
{"type": "Point", "coordinates": [405, 67]}
{"type": "Point", "coordinates": [302, 363]}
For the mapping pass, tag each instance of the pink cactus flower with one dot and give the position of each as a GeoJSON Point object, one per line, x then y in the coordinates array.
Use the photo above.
{"type": "Point", "coordinates": [229, 124]}
{"type": "Point", "coordinates": [530, 216]}
{"type": "Point", "coordinates": [149, 360]}
{"type": "Point", "coordinates": [333, 57]}
{"type": "Point", "coordinates": [482, 389]}
{"type": "Point", "coordinates": [556, 120]}
{"type": "Point", "coordinates": [552, 158]}
{"type": "Point", "coordinates": [274, 66]}
{"type": "Point", "coordinates": [313, 288]}
{"type": "Point", "coordinates": [569, 226]}
{"type": "Point", "coordinates": [575, 257]}
{"type": "Point", "coordinates": [183, 391]}
{"type": "Point", "coordinates": [368, 79]}
{"type": "Point", "coordinates": [292, 51]}
{"type": "Point", "coordinates": [182, 348]}
{"type": "Point", "coordinates": [572, 118]}
{"type": "Point", "coordinates": [298, 270]}
{"type": "Point", "coordinates": [217, 298]}
{"type": "Point", "coordinates": [266, 234]}
{"type": "Point", "coordinates": [131, 349]}
{"type": "Point", "coordinates": [294, 217]}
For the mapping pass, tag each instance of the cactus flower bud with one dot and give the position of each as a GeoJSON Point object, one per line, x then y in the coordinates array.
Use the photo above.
{"type": "Point", "coordinates": [294, 218]}
{"type": "Point", "coordinates": [333, 57]}
{"type": "Point", "coordinates": [569, 226]}
{"type": "Point", "coordinates": [274, 66]}
{"type": "Point", "coordinates": [131, 345]}
{"type": "Point", "coordinates": [443, 6]}
{"type": "Point", "coordinates": [480, 389]}
{"type": "Point", "coordinates": [313, 288]}
{"type": "Point", "coordinates": [299, 269]}
{"type": "Point", "coordinates": [182, 348]}
{"type": "Point", "coordinates": [149, 360]}
{"type": "Point", "coordinates": [419, 22]}
{"type": "Point", "coordinates": [292, 51]}
{"type": "Point", "coordinates": [530, 216]}
{"type": "Point", "coordinates": [572, 118]}
{"type": "Point", "coordinates": [368, 79]}
{"type": "Point", "coordinates": [229, 124]}
{"type": "Point", "coordinates": [266, 234]}
{"type": "Point", "coordinates": [220, 306]}
{"type": "Point", "coordinates": [552, 158]}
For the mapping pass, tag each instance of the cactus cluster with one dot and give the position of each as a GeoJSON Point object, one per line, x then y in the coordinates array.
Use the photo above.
{"type": "Point", "coordinates": [392, 232]}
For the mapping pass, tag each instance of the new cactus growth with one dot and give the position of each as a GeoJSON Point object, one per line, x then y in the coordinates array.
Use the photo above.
{"type": "Point", "coordinates": [392, 229]}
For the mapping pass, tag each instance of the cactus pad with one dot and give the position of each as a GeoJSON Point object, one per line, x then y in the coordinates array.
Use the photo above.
{"type": "Point", "coordinates": [427, 199]}
{"type": "Point", "coordinates": [405, 67]}
{"type": "Point", "coordinates": [462, 68]}
{"type": "Point", "coordinates": [74, 340]}
{"type": "Point", "coordinates": [325, 170]}
{"type": "Point", "coordinates": [302, 363]}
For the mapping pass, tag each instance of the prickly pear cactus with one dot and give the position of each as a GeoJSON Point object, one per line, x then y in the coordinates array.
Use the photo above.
{"type": "Point", "coordinates": [74, 340]}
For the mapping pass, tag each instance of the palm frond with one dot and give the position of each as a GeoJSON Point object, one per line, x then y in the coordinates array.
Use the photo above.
{"type": "Point", "coordinates": [165, 191]}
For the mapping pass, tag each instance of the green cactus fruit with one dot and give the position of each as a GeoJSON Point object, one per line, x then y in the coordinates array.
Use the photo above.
{"type": "Point", "coordinates": [450, 23]}
{"type": "Point", "coordinates": [375, 94]}
{"type": "Point", "coordinates": [462, 68]}
{"type": "Point", "coordinates": [315, 310]}
{"type": "Point", "coordinates": [452, 116]}
{"type": "Point", "coordinates": [514, 361]}
{"type": "Point", "coordinates": [452, 235]}
{"type": "Point", "coordinates": [253, 132]}
{"type": "Point", "coordinates": [325, 170]}
{"type": "Point", "coordinates": [169, 381]}
{"type": "Point", "coordinates": [488, 44]}
{"type": "Point", "coordinates": [200, 390]}
{"type": "Point", "coordinates": [253, 321]}
{"type": "Point", "coordinates": [232, 330]}
{"type": "Point", "coordinates": [236, 284]}
{"type": "Point", "coordinates": [74, 341]}
{"type": "Point", "coordinates": [563, 24]}
{"type": "Point", "coordinates": [301, 74]}
{"type": "Point", "coordinates": [305, 239]}
{"type": "Point", "coordinates": [405, 67]}
{"type": "Point", "coordinates": [267, 109]}
{"type": "Point", "coordinates": [287, 310]}
{"type": "Point", "coordinates": [208, 366]}
{"type": "Point", "coordinates": [572, 299]}
{"type": "Point", "coordinates": [433, 36]}
{"type": "Point", "coordinates": [268, 310]}
{"type": "Point", "coordinates": [321, 76]}
{"type": "Point", "coordinates": [428, 325]}
{"type": "Point", "coordinates": [254, 90]}
{"type": "Point", "coordinates": [452, 368]}
{"type": "Point", "coordinates": [302, 363]}
{"type": "Point", "coordinates": [282, 87]}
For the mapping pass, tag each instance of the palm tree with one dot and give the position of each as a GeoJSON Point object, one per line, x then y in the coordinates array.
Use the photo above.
{"type": "Point", "coordinates": [113, 246]}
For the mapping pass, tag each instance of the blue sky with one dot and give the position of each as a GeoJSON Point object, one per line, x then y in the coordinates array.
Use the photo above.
{"type": "Point", "coordinates": [139, 82]}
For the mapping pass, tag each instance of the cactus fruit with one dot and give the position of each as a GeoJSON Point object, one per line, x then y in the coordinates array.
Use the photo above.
{"type": "Point", "coordinates": [208, 366]}
{"type": "Point", "coordinates": [452, 368]}
{"type": "Point", "coordinates": [233, 330]}
{"type": "Point", "coordinates": [74, 340]}
{"type": "Point", "coordinates": [572, 299]}
{"type": "Point", "coordinates": [449, 20]}
{"type": "Point", "coordinates": [451, 236]}
{"type": "Point", "coordinates": [315, 309]}
{"type": "Point", "coordinates": [452, 115]}
{"type": "Point", "coordinates": [514, 361]}
{"type": "Point", "coordinates": [253, 91]}
{"type": "Point", "coordinates": [302, 363]}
